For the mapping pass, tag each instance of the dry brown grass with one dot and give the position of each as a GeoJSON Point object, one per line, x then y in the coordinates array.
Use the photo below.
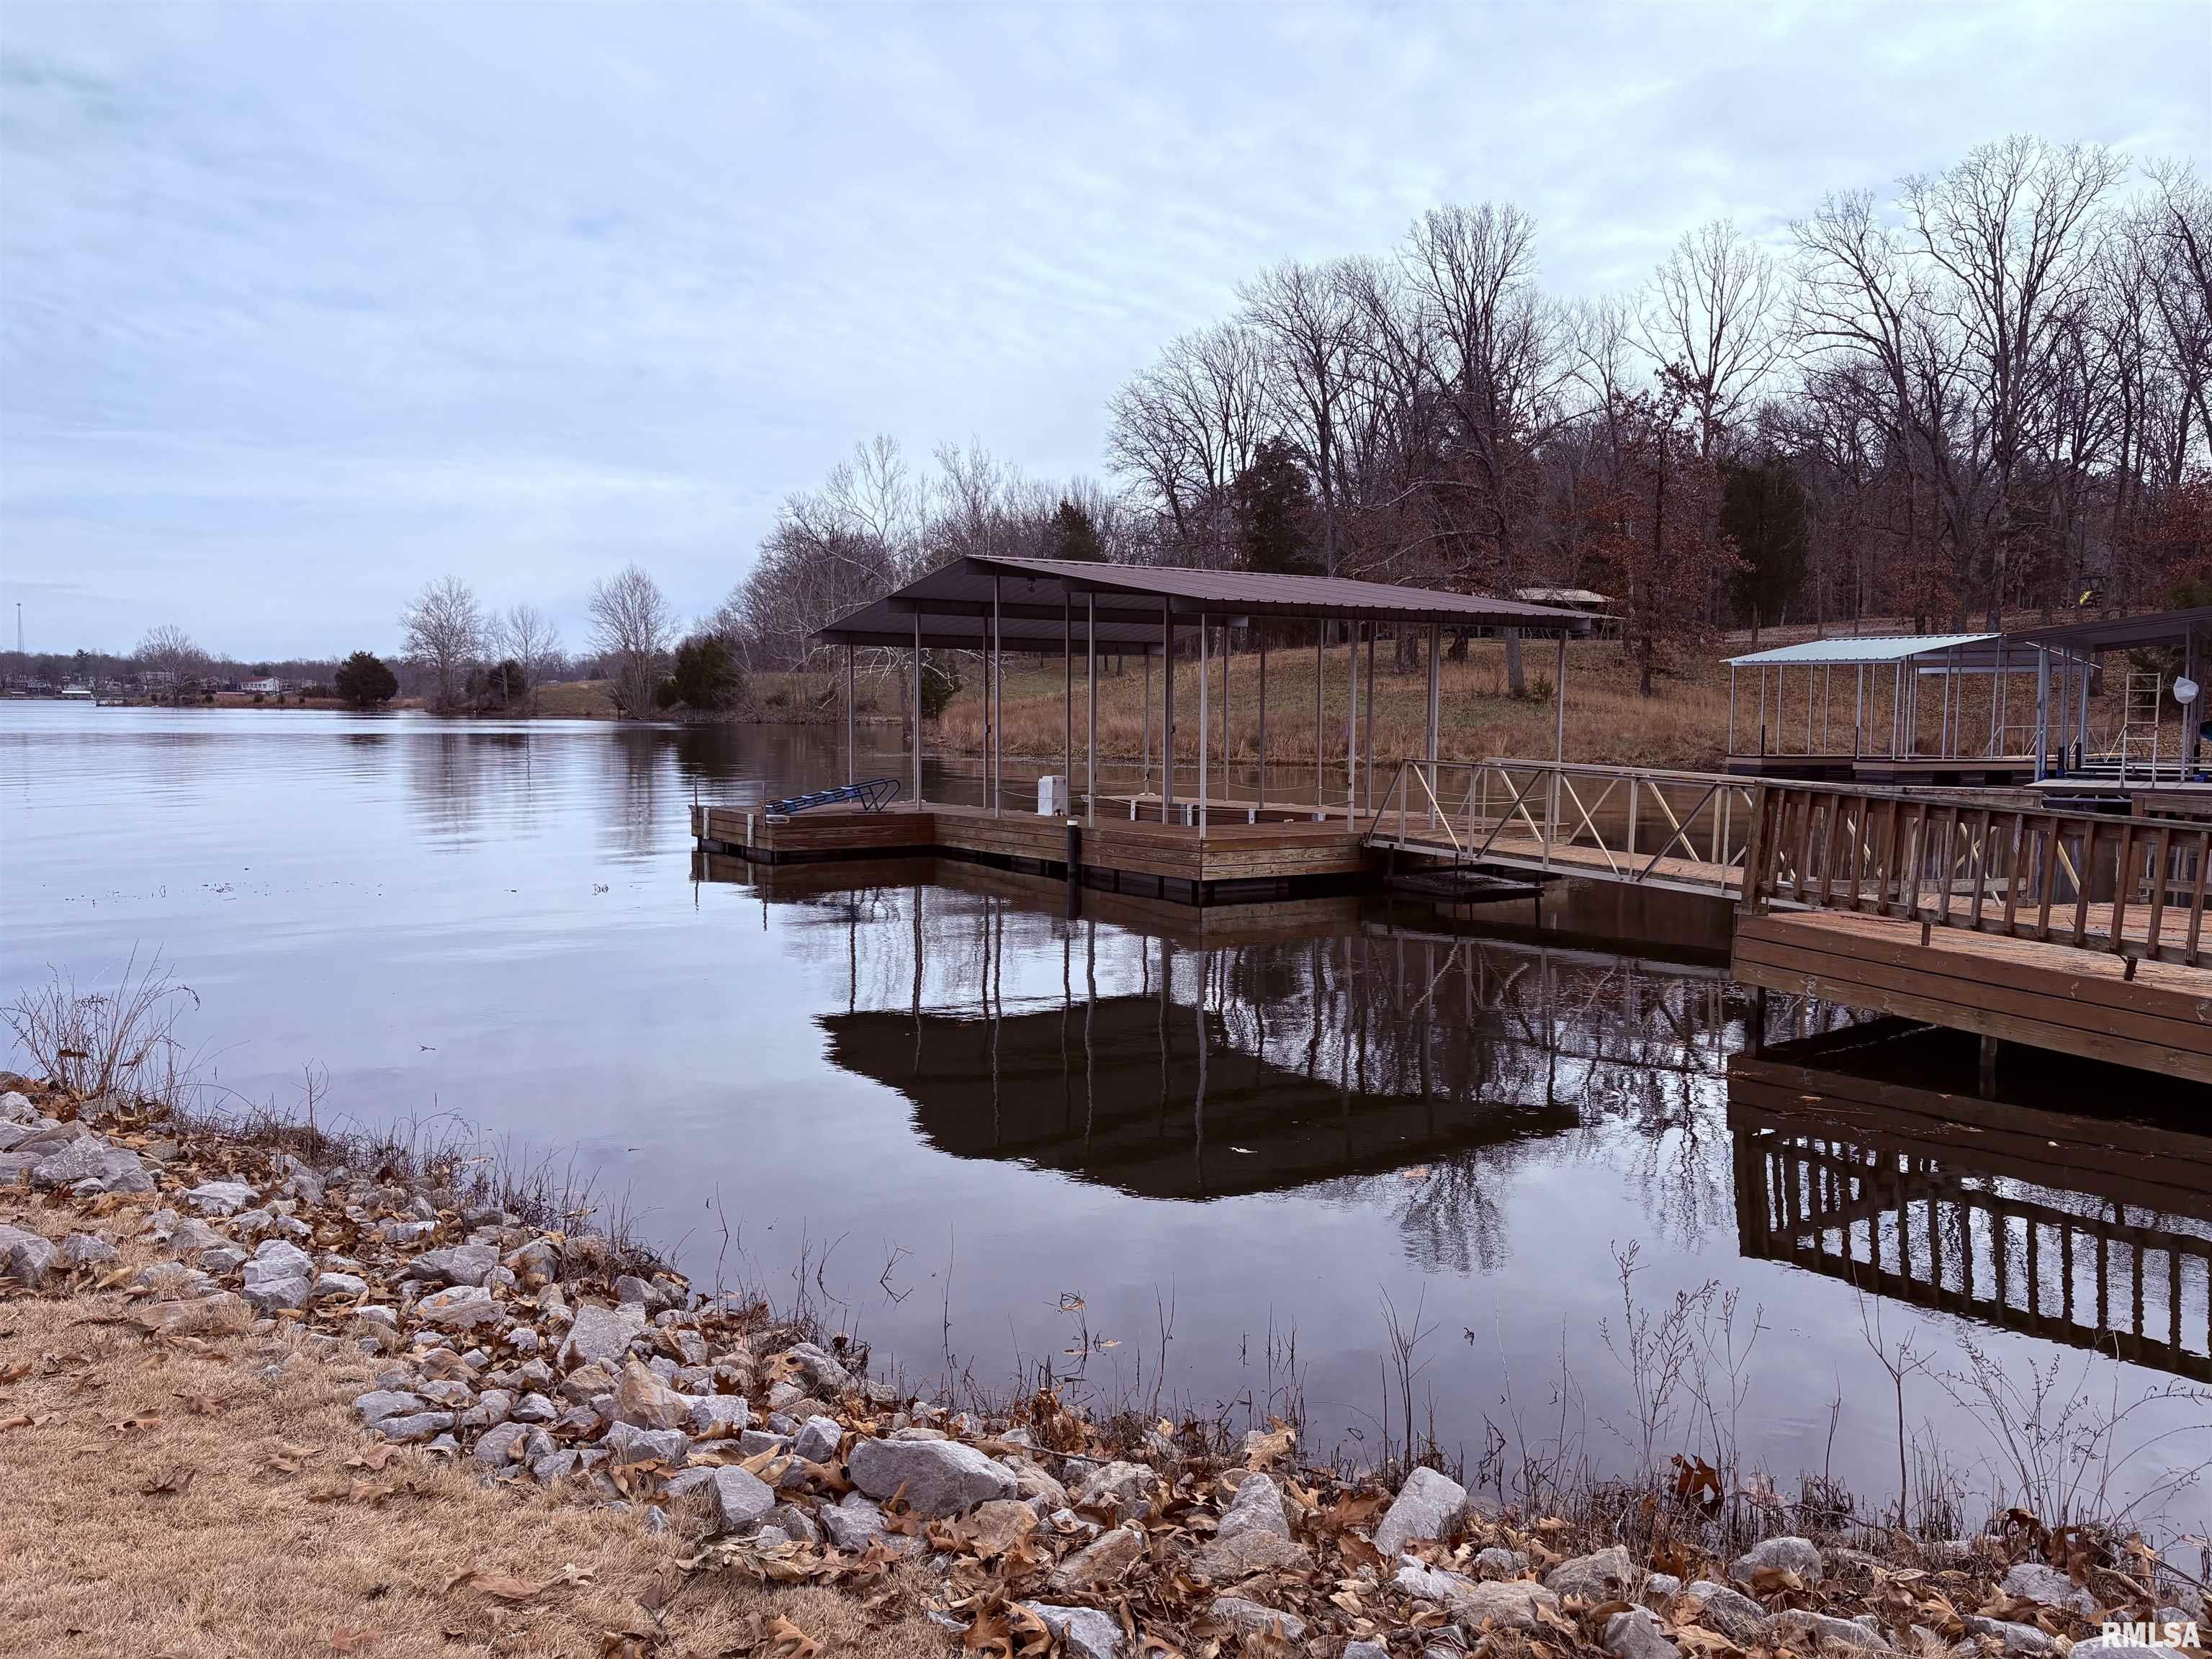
{"type": "Point", "coordinates": [198, 1496]}
{"type": "Point", "coordinates": [577, 700]}
{"type": "Point", "coordinates": [1685, 724]}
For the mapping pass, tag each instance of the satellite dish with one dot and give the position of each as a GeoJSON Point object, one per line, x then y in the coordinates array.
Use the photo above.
{"type": "Point", "coordinates": [2184, 691]}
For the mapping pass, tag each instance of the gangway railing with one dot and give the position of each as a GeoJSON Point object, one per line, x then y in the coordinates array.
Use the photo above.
{"type": "Point", "coordinates": [871, 796]}
{"type": "Point", "coordinates": [2132, 886]}
{"type": "Point", "coordinates": [1641, 826]}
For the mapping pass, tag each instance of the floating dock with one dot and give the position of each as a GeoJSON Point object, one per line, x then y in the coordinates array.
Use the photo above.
{"type": "Point", "coordinates": [1223, 863]}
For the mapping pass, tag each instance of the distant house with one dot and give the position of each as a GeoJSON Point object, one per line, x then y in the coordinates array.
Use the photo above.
{"type": "Point", "coordinates": [269, 687]}
{"type": "Point", "coordinates": [77, 693]}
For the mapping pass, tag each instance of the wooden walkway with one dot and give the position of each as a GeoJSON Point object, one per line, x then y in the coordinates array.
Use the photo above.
{"type": "Point", "coordinates": [2158, 1016]}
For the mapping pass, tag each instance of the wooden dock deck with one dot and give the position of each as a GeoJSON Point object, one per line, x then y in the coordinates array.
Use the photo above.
{"type": "Point", "coordinates": [1226, 861]}
{"type": "Point", "coordinates": [2015, 990]}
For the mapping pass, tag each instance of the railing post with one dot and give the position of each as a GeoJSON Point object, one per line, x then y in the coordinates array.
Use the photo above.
{"type": "Point", "coordinates": [1755, 849]}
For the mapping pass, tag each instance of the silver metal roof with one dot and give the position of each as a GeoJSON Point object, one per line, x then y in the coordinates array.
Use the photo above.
{"type": "Point", "coordinates": [1931, 653]}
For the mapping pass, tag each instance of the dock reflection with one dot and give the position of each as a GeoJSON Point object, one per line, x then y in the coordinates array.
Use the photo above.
{"type": "Point", "coordinates": [2093, 1232]}
{"type": "Point", "coordinates": [1263, 1047]}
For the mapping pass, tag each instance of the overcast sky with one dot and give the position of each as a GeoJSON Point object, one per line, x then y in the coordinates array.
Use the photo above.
{"type": "Point", "coordinates": [304, 305]}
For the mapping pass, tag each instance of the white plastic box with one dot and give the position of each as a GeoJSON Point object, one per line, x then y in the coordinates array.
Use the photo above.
{"type": "Point", "coordinates": [1052, 795]}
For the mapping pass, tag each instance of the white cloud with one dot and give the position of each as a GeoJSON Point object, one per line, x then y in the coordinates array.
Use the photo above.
{"type": "Point", "coordinates": [299, 306]}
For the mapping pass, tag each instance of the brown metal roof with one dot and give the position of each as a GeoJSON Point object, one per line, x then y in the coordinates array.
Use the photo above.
{"type": "Point", "coordinates": [2150, 628]}
{"type": "Point", "coordinates": [956, 598]}
{"type": "Point", "coordinates": [879, 624]}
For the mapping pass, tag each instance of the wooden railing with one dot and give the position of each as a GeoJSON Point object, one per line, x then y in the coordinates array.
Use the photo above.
{"type": "Point", "coordinates": [1637, 825]}
{"type": "Point", "coordinates": [2128, 885]}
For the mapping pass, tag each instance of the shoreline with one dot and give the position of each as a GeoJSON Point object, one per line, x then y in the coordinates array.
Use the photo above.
{"type": "Point", "coordinates": [507, 1356]}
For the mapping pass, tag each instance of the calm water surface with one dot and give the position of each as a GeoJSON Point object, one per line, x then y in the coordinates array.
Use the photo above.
{"type": "Point", "coordinates": [967, 1113]}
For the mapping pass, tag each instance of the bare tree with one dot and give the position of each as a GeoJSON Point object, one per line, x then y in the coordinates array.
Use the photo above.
{"type": "Point", "coordinates": [1711, 318]}
{"type": "Point", "coordinates": [445, 634]}
{"type": "Point", "coordinates": [632, 624]}
{"type": "Point", "coordinates": [1312, 321]}
{"type": "Point", "coordinates": [526, 636]}
{"type": "Point", "coordinates": [1185, 429]}
{"type": "Point", "coordinates": [1499, 371]}
{"type": "Point", "coordinates": [167, 659]}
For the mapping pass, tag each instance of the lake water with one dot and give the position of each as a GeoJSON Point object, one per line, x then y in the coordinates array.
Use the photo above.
{"type": "Point", "coordinates": [999, 1139]}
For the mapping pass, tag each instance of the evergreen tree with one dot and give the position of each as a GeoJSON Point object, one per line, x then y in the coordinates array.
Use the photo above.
{"type": "Point", "coordinates": [1763, 511]}
{"type": "Point", "coordinates": [1274, 511]}
{"type": "Point", "coordinates": [365, 682]}
{"type": "Point", "coordinates": [1072, 536]}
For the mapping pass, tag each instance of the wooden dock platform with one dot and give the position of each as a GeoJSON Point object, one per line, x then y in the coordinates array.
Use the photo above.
{"type": "Point", "coordinates": [2157, 1016]}
{"type": "Point", "coordinates": [1225, 862]}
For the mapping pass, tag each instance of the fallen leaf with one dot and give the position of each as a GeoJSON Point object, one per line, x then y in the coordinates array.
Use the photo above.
{"type": "Point", "coordinates": [501, 1587]}
{"type": "Point", "coordinates": [374, 1458]}
{"type": "Point", "coordinates": [352, 1638]}
{"type": "Point", "coordinates": [176, 1480]}
{"type": "Point", "coordinates": [786, 1641]}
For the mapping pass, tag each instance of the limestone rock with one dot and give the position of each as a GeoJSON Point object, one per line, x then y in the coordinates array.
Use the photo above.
{"type": "Point", "coordinates": [601, 1334]}
{"type": "Point", "coordinates": [643, 1399]}
{"type": "Point", "coordinates": [2031, 1580]}
{"type": "Point", "coordinates": [1425, 1507]}
{"type": "Point", "coordinates": [220, 1197]}
{"type": "Point", "coordinates": [1035, 1486]}
{"type": "Point", "coordinates": [535, 1264]}
{"type": "Point", "coordinates": [850, 1524]}
{"type": "Point", "coordinates": [1101, 1563]}
{"type": "Point", "coordinates": [631, 1444]}
{"type": "Point", "coordinates": [1636, 1635]}
{"type": "Point", "coordinates": [88, 1158]}
{"type": "Point", "coordinates": [461, 1308]}
{"type": "Point", "coordinates": [817, 1439]}
{"type": "Point", "coordinates": [2018, 1639]}
{"type": "Point", "coordinates": [1846, 1633]}
{"type": "Point", "coordinates": [941, 1477]}
{"type": "Point", "coordinates": [740, 1499]}
{"type": "Point", "coordinates": [381, 1403]}
{"type": "Point", "coordinates": [1241, 1615]}
{"type": "Point", "coordinates": [1125, 1489]}
{"type": "Point", "coordinates": [1257, 1507]}
{"type": "Point", "coordinates": [415, 1428]}
{"type": "Point", "coordinates": [496, 1447]}
{"type": "Point", "coordinates": [1223, 1561]}
{"type": "Point", "coordinates": [83, 1250]}
{"type": "Point", "coordinates": [1730, 1612]}
{"type": "Point", "coordinates": [1086, 1632]}
{"type": "Point", "coordinates": [25, 1254]}
{"type": "Point", "coordinates": [339, 1286]}
{"type": "Point", "coordinates": [820, 1373]}
{"type": "Point", "coordinates": [1509, 1602]}
{"type": "Point", "coordinates": [1796, 1555]}
{"type": "Point", "coordinates": [1607, 1576]}
{"type": "Point", "coordinates": [1496, 1562]}
{"type": "Point", "coordinates": [457, 1264]}
{"type": "Point", "coordinates": [718, 1415]}
{"type": "Point", "coordinates": [279, 1275]}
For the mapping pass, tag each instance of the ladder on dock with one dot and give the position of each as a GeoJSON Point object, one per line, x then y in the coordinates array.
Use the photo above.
{"type": "Point", "coordinates": [872, 796]}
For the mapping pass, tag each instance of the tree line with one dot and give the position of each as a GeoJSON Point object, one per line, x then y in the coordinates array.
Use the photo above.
{"type": "Point", "coordinates": [1987, 390]}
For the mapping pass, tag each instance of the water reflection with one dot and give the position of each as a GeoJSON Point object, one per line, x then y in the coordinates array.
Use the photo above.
{"type": "Point", "coordinates": [2092, 1232]}
{"type": "Point", "coordinates": [1379, 1053]}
